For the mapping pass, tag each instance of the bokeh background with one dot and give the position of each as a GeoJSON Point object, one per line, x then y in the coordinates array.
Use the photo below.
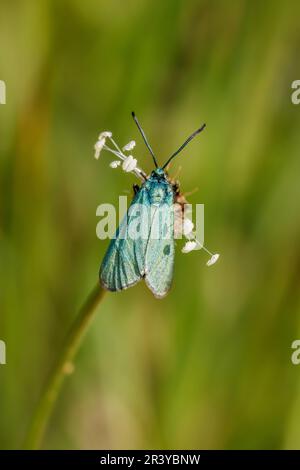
{"type": "Point", "coordinates": [210, 365]}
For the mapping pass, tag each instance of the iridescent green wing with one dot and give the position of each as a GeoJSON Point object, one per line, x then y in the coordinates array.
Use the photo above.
{"type": "Point", "coordinates": [124, 262]}
{"type": "Point", "coordinates": [160, 251]}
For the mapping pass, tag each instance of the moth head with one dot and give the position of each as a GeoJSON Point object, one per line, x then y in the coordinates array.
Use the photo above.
{"type": "Point", "coordinates": [159, 174]}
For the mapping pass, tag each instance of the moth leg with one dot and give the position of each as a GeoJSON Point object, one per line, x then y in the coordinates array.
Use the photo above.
{"type": "Point", "coordinates": [136, 188]}
{"type": "Point", "coordinates": [193, 191]}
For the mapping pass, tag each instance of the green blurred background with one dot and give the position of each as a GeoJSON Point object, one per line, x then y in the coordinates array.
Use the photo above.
{"type": "Point", "coordinates": [210, 365]}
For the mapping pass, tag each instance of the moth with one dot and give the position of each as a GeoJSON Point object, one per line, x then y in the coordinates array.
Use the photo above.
{"type": "Point", "coordinates": [148, 251]}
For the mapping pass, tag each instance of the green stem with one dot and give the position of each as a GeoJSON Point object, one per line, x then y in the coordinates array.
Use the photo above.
{"type": "Point", "coordinates": [63, 367]}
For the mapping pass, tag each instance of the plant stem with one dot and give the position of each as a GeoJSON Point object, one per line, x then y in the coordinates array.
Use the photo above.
{"type": "Point", "coordinates": [63, 367]}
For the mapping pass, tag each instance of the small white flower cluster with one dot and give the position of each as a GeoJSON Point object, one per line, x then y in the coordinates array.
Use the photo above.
{"type": "Point", "coordinates": [188, 232]}
{"type": "Point", "coordinates": [129, 163]}
{"type": "Point", "coordinates": [99, 145]}
{"type": "Point", "coordinates": [187, 229]}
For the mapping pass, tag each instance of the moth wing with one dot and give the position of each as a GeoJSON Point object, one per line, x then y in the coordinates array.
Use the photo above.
{"type": "Point", "coordinates": [124, 262]}
{"type": "Point", "coordinates": [160, 253]}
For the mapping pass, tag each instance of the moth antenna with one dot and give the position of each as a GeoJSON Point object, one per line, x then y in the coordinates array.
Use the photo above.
{"type": "Point", "coordinates": [144, 138]}
{"type": "Point", "coordinates": [184, 144]}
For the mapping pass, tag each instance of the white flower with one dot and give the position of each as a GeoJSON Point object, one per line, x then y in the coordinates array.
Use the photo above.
{"type": "Point", "coordinates": [213, 259]}
{"type": "Point", "coordinates": [129, 146]}
{"type": "Point", "coordinates": [101, 142]}
{"type": "Point", "coordinates": [189, 246]}
{"type": "Point", "coordinates": [188, 227]}
{"type": "Point", "coordinates": [98, 147]}
{"type": "Point", "coordinates": [115, 164]}
{"type": "Point", "coordinates": [129, 164]}
{"type": "Point", "coordinates": [105, 135]}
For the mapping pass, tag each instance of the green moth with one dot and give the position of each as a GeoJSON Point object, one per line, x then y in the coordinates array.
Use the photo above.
{"type": "Point", "coordinates": [143, 246]}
